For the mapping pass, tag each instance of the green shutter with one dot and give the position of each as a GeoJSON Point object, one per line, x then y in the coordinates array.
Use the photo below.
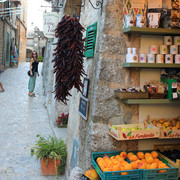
{"type": "Point", "coordinates": [90, 40]}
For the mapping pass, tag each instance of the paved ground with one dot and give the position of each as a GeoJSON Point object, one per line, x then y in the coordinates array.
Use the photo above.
{"type": "Point", "coordinates": [21, 119]}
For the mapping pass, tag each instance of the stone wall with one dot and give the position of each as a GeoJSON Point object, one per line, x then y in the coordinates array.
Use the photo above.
{"type": "Point", "coordinates": [22, 43]}
{"type": "Point", "coordinates": [106, 74]}
{"type": "Point", "coordinates": [22, 24]}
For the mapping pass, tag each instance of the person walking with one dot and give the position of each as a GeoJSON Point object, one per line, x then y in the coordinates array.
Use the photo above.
{"type": "Point", "coordinates": [33, 73]}
{"type": "Point", "coordinates": [2, 89]}
{"type": "Point", "coordinates": [1, 86]}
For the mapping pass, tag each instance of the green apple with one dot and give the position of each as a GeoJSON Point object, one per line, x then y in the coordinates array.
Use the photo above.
{"type": "Point", "coordinates": [123, 129]}
{"type": "Point", "coordinates": [114, 127]}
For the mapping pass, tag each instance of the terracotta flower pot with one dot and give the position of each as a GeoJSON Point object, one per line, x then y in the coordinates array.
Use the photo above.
{"type": "Point", "coordinates": [49, 169]}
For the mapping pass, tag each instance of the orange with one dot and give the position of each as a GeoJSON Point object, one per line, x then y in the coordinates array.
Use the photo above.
{"type": "Point", "coordinates": [140, 155]}
{"type": "Point", "coordinates": [128, 167]}
{"type": "Point", "coordinates": [133, 158]}
{"type": "Point", "coordinates": [116, 168]}
{"type": "Point", "coordinates": [149, 160]}
{"type": "Point", "coordinates": [147, 155]}
{"type": "Point", "coordinates": [124, 173]}
{"type": "Point", "coordinates": [156, 160]}
{"type": "Point", "coordinates": [105, 158]}
{"type": "Point", "coordinates": [123, 155]}
{"type": "Point", "coordinates": [107, 169]}
{"type": "Point", "coordinates": [129, 155]}
{"type": "Point", "coordinates": [154, 154]}
{"type": "Point", "coordinates": [99, 159]}
{"type": "Point", "coordinates": [154, 166]}
{"type": "Point", "coordinates": [120, 159]}
{"type": "Point", "coordinates": [134, 165]}
{"type": "Point", "coordinates": [112, 157]}
{"type": "Point", "coordinates": [117, 156]}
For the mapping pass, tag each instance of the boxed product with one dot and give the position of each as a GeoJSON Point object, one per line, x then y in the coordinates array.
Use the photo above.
{"type": "Point", "coordinates": [134, 8]}
{"type": "Point", "coordinates": [175, 14]}
{"type": "Point", "coordinates": [153, 20]}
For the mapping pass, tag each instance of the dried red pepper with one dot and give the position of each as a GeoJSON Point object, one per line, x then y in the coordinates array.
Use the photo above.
{"type": "Point", "coordinates": [68, 61]}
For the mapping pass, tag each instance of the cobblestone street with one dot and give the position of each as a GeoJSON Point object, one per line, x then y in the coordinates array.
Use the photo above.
{"type": "Point", "coordinates": [22, 118]}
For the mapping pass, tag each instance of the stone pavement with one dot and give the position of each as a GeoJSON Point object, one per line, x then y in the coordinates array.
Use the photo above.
{"type": "Point", "coordinates": [21, 119]}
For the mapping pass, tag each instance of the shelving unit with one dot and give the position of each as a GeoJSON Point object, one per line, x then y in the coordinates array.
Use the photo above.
{"type": "Point", "coordinates": [150, 101]}
{"type": "Point", "coordinates": [150, 65]}
{"type": "Point", "coordinates": [152, 31]}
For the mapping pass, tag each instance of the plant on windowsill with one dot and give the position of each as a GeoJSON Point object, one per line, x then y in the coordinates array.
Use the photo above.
{"type": "Point", "coordinates": [52, 154]}
{"type": "Point", "coordinates": [62, 121]}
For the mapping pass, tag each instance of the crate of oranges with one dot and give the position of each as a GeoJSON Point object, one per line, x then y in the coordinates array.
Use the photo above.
{"type": "Point", "coordinates": [143, 165]}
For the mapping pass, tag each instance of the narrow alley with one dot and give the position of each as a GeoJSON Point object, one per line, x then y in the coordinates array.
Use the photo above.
{"type": "Point", "coordinates": [21, 119]}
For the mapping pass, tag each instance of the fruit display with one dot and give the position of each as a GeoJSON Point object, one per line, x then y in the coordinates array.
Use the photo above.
{"type": "Point", "coordinates": [171, 154]}
{"type": "Point", "coordinates": [134, 131]}
{"type": "Point", "coordinates": [136, 165]}
{"type": "Point", "coordinates": [129, 161]}
{"type": "Point", "coordinates": [169, 128]}
{"type": "Point", "coordinates": [168, 124]}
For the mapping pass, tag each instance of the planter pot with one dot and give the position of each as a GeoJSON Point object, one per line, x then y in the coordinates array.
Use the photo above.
{"type": "Point", "coordinates": [49, 169]}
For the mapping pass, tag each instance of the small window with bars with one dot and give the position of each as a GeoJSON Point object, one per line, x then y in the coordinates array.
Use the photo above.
{"type": "Point", "coordinates": [90, 40]}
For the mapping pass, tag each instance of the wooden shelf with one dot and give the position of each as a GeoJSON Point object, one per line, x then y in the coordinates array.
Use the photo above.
{"type": "Point", "coordinates": [150, 101]}
{"type": "Point", "coordinates": [150, 65]}
{"type": "Point", "coordinates": [152, 31]}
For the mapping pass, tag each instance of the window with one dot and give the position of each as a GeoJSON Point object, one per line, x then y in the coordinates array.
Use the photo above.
{"type": "Point", "coordinates": [90, 40]}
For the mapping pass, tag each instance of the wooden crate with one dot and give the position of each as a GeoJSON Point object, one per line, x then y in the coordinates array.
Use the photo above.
{"type": "Point", "coordinates": [128, 132]}
{"type": "Point", "coordinates": [166, 134]}
{"type": "Point", "coordinates": [132, 95]}
{"type": "Point", "coordinates": [166, 147]}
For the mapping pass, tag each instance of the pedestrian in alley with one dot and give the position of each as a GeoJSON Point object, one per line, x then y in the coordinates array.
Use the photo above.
{"type": "Point", "coordinates": [2, 89]}
{"type": "Point", "coordinates": [33, 73]}
{"type": "Point", "coordinates": [1, 86]}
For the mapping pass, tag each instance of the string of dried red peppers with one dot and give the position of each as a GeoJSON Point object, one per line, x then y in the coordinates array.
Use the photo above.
{"type": "Point", "coordinates": [68, 61]}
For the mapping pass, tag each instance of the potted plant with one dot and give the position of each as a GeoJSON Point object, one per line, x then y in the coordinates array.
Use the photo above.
{"type": "Point", "coordinates": [62, 121]}
{"type": "Point", "coordinates": [52, 155]}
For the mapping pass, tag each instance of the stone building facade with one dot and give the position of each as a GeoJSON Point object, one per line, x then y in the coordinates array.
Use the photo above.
{"type": "Point", "coordinates": [35, 41]}
{"type": "Point", "coordinates": [106, 74]}
{"type": "Point", "coordinates": [13, 32]}
{"type": "Point", "coordinates": [21, 24]}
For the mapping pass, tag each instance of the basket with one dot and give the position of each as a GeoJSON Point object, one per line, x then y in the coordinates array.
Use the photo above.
{"type": "Point", "coordinates": [132, 95]}
{"type": "Point", "coordinates": [135, 174]}
{"type": "Point", "coordinates": [171, 173]}
{"type": "Point", "coordinates": [157, 95]}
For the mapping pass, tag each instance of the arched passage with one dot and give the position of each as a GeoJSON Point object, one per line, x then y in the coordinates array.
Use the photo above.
{"type": "Point", "coordinates": [28, 54]}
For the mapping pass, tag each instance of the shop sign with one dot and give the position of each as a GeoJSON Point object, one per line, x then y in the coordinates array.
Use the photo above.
{"type": "Point", "coordinates": [50, 21]}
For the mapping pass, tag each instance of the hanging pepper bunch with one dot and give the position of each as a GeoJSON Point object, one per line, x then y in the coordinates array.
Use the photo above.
{"type": "Point", "coordinates": [68, 61]}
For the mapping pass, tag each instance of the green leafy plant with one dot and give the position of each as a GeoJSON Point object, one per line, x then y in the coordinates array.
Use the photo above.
{"type": "Point", "coordinates": [40, 59]}
{"type": "Point", "coordinates": [50, 148]}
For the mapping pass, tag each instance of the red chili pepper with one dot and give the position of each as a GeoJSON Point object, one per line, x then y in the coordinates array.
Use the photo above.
{"type": "Point", "coordinates": [68, 61]}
